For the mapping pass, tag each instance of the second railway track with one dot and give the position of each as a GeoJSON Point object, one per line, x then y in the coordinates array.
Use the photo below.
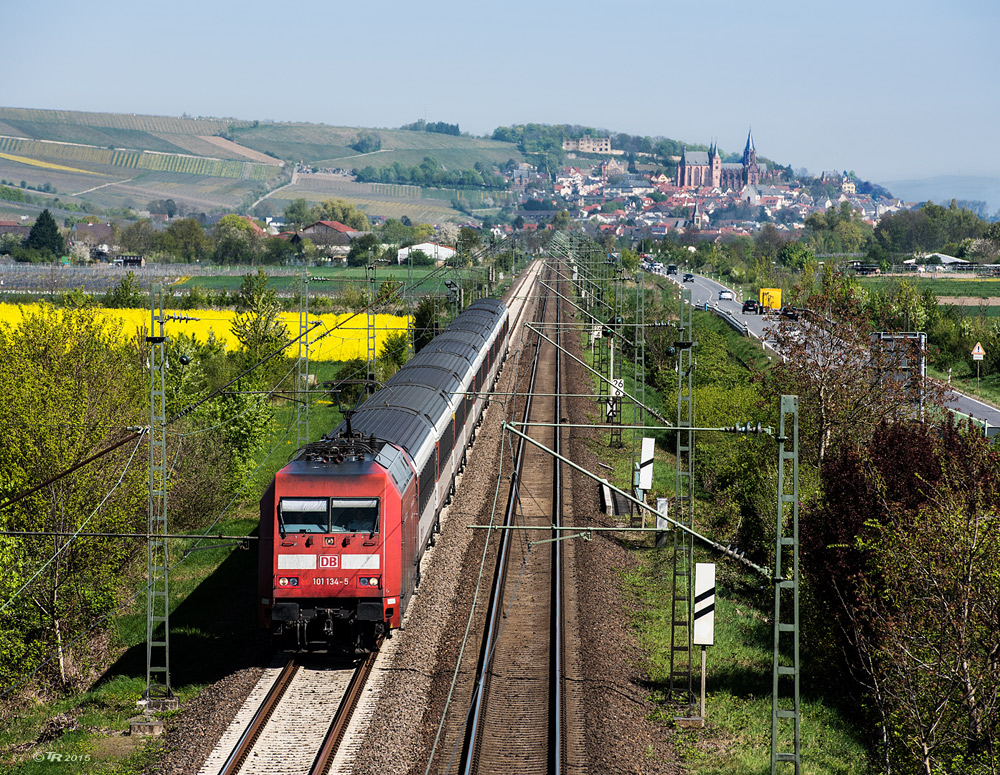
{"type": "Point", "coordinates": [521, 717]}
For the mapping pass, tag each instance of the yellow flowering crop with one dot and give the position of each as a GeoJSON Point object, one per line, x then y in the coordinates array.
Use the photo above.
{"type": "Point", "coordinates": [45, 164]}
{"type": "Point", "coordinates": [338, 344]}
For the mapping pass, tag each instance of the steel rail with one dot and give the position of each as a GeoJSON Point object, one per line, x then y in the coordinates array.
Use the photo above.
{"type": "Point", "coordinates": [246, 742]}
{"type": "Point", "coordinates": [345, 711]}
{"type": "Point", "coordinates": [556, 623]}
{"type": "Point", "coordinates": [494, 613]}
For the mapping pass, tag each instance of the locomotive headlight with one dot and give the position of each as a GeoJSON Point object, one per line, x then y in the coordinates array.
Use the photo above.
{"type": "Point", "coordinates": [288, 581]}
{"type": "Point", "coordinates": [282, 582]}
{"type": "Point", "coordinates": [362, 581]}
{"type": "Point", "coordinates": [373, 581]}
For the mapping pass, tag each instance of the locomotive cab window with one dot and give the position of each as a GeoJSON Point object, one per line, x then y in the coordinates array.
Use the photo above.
{"type": "Point", "coordinates": [304, 515]}
{"type": "Point", "coordinates": [354, 515]}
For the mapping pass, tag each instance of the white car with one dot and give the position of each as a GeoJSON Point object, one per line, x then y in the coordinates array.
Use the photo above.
{"type": "Point", "coordinates": [726, 296]}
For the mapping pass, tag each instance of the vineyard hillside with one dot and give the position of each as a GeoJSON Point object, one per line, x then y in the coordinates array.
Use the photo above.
{"type": "Point", "coordinates": [79, 160]}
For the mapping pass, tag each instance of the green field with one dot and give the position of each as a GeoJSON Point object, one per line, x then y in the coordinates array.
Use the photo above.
{"type": "Point", "coordinates": [942, 286]}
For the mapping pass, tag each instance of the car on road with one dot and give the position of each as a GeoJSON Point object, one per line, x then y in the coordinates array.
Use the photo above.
{"type": "Point", "coordinates": [751, 306]}
{"type": "Point", "coordinates": [671, 268]}
{"type": "Point", "coordinates": [726, 296]}
{"type": "Point", "coordinates": [688, 277]}
{"type": "Point", "coordinates": [789, 313]}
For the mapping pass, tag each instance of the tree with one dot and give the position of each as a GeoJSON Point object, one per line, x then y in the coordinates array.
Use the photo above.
{"type": "Point", "coordinates": [68, 387]}
{"type": "Point", "coordinates": [903, 556]}
{"type": "Point", "coordinates": [562, 220]}
{"type": "Point", "coordinates": [297, 212]}
{"type": "Point", "coordinates": [342, 211]}
{"type": "Point", "coordinates": [420, 258]}
{"type": "Point", "coordinates": [258, 326]}
{"type": "Point", "coordinates": [845, 384]}
{"type": "Point", "coordinates": [186, 239]}
{"type": "Point", "coordinates": [367, 142]}
{"type": "Point", "coordinates": [364, 250]}
{"type": "Point", "coordinates": [237, 241]}
{"type": "Point", "coordinates": [128, 294]}
{"type": "Point", "coordinates": [45, 237]}
{"type": "Point", "coordinates": [139, 237]}
{"type": "Point", "coordinates": [468, 240]}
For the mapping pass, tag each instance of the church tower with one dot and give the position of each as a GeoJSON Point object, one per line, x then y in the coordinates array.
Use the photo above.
{"type": "Point", "coordinates": [715, 162]}
{"type": "Point", "coordinates": [751, 172]}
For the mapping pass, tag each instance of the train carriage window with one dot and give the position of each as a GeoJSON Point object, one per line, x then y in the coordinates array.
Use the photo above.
{"type": "Point", "coordinates": [427, 478]}
{"type": "Point", "coordinates": [354, 515]}
{"type": "Point", "coordinates": [304, 515]}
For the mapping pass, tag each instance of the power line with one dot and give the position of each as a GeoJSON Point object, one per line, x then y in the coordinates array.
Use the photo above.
{"type": "Point", "coordinates": [22, 495]}
{"type": "Point", "coordinates": [85, 522]}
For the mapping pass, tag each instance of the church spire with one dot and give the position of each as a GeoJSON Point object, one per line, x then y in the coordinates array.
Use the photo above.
{"type": "Point", "coordinates": [749, 147]}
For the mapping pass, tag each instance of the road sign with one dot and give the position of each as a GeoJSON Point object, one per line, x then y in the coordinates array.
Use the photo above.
{"type": "Point", "coordinates": [978, 352]}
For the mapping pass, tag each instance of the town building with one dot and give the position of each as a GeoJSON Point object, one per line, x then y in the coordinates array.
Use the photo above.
{"type": "Point", "coordinates": [588, 145]}
{"type": "Point", "coordinates": [701, 168]}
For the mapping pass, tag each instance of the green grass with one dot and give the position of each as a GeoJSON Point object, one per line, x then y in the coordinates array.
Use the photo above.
{"type": "Point", "coordinates": [737, 738]}
{"type": "Point", "coordinates": [963, 378]}
{"type": "Point", "coordinates": [943, 285]}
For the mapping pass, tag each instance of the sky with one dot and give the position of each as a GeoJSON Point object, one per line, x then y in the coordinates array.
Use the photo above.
{"type": "Point", "coordinates": [892, 90]}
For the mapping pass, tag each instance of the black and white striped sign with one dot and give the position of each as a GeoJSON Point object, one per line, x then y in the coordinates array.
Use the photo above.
{"type": "Point", "coordinates": [704, 604]}
{"type": "Point", "coordinates": [646, 464]}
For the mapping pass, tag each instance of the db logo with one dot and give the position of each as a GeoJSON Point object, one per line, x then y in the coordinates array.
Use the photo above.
{"type": "Point", "coordinates": [330, 561]}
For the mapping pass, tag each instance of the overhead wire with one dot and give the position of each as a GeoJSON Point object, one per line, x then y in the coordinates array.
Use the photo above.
{"type": "Point", "coordinates": [78, 531]}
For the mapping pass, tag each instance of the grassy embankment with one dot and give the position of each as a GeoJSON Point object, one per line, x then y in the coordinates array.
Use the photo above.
{"type": "Point", "coordinates": [737, 736]}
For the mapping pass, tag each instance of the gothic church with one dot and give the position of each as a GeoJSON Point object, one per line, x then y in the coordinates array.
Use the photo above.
{"type": "Point", "coordinates": [698, 168]}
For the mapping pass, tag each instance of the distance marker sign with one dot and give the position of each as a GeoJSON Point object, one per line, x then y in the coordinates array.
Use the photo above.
{"type": "Point", "coordinates": [704, 604]}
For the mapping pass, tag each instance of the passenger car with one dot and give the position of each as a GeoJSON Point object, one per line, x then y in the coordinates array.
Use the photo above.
{"type": "Point", "coordinates": [343, 525]}
{"type": "Point", "coordinates": [751, 306]}
{"type": "Point", "coordinates": [789, 313]}
{"type": "Point", "coordinates": [688, 277]}
{"type": "Point", "coordinates": [726, 296]}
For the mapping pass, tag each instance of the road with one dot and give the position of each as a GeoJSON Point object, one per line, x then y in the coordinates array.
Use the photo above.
{"type": "Point", "coordinates": [706, 291]}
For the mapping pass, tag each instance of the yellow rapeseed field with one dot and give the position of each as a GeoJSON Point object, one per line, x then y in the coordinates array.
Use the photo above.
{"type": "Point", "coordinates": [44, 164]}
{"type": "Point", "coordinates": [350, 340]}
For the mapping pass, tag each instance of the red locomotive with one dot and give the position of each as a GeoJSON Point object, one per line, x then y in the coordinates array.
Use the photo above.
{"type": "Point", "coordinates": [344, 525]}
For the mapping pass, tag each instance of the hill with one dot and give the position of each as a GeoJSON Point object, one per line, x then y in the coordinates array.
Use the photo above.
{"type": "Point", "coordinates": [941, 190]}
{"type": "Point", "coordinates": [109, 161]}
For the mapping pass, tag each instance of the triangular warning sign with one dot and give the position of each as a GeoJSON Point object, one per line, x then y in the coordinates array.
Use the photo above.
{"type": "Point", "coordinates": [978, 349]}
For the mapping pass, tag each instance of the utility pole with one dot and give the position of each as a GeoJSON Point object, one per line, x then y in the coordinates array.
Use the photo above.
{"type": "Point", "coordinates": [371, 375]}
{"type": "Point", "coordinates": [302, 371]}
{"type": "Point", "coordinates": [158, 695]}
{"type": "Point", "coordinates": [681, 685]}
{"type": "Point", "coordinates": [786, 612]}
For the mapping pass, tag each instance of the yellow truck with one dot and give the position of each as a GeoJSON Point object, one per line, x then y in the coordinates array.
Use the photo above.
{"type": "Point", "coordinates": [770, 298]}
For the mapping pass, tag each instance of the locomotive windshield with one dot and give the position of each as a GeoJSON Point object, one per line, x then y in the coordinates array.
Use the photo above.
{"type": "Point", "coordinates": [304, 515]}
{"type": "Point", "coordinates": [354, 515]}
{"type": "Point", "coordinates": [328, 515]}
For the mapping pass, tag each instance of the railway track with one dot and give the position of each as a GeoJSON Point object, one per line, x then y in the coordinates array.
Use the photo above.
{"type": "Point", "coordinates": [298, 724]}
{"type": "Point", "coordinates": [519, 709]}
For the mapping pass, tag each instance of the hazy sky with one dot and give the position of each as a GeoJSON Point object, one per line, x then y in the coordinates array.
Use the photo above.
{"type": "Point", "coordinates": [887, 88]}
